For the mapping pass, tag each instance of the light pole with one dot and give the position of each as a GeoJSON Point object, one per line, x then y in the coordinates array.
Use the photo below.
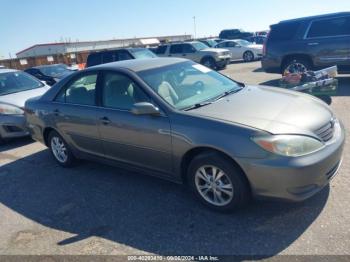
{"type": "Point", "coordinates": [194, 26]}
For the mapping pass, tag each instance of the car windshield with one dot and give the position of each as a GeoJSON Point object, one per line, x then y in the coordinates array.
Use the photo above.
{"type": "Point", "coordinates": [199, 46]}
{"type": "Point", "coordinates": [142, 53]}
{"type": "Point", "coordinates": [187, 84]}
{"type": "Point", "coordinates": [55, 70]}
{"type": "Point", "coordinates": [14, 82]}
{"type": "Point", "coordinates": [211, 42]}
{"type": "Point", "coordinates": [243, 42]}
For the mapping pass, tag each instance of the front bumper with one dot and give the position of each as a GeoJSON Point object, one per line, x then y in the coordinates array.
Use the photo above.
{"type": "Point", "coordinates": [12, 126]}
{"type": "Point", "coordinates": [298, 178]}
{"type": "Point", "coordinates": [222, 61]}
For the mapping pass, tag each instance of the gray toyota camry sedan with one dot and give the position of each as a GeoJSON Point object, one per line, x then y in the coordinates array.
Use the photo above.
{"type": "Point", "coordinates": [181, 121]}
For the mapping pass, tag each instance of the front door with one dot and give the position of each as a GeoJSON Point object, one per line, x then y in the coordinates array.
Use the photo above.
{"type": "Point", "coordinates": [141, 140]}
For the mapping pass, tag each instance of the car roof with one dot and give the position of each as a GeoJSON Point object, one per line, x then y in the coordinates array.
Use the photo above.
{"type": "Point", "coordinates": [137, 65]}
{"type": "Point", "coordinates": [116, 49]}
{"type": "Point", "coordinates": [316, 17]}
{"type": "Point", "coordinates": [7, 70]}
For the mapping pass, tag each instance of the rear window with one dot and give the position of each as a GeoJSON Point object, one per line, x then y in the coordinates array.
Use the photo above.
{"type": "Point", "coordinates": [14, 82]}
{"type": "Point", "coordinates": [330, 27]}
{"type": "Point", "coordinates": [142, 53]}
{"type": "Point", "coordinates": [283, 31]}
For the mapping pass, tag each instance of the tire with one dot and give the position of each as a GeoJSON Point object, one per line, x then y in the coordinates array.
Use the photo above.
{"type": "Point", "coordinates": [209, 62]}
{"type": "Point", "coordinates": [296, 65]}
{"type": "Point", "coordinates": [248, 56]}
{"type": "Point", "coordinates": [231, 187]}
{"type": "Point", "coordinates": [63, 155]}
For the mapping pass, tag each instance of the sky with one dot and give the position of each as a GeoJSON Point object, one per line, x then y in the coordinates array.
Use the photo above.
{"type": "Point", "coordinates": [24, 23]}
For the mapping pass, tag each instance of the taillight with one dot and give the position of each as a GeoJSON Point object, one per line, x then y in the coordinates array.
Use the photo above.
{"type": "Point", "coordinates": [265, 43]}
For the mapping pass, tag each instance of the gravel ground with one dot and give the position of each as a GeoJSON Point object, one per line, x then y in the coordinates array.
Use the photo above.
{"type": "Point", "coordinates": [97, 209]}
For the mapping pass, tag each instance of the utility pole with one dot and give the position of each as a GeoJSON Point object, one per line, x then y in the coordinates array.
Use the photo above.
{"type": "Point", "coordinates": [194, 27]}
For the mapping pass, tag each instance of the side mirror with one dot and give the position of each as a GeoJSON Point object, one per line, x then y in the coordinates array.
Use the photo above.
{"type": "Point", "coordinates": [145, 108]}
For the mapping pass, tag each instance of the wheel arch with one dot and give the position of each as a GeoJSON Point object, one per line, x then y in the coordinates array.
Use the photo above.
{"type": "Point", "coordinates": [192, 153]}
{"type": "Point", "coordinates": [46, 133]}
{"type": "Point", "coordinates": [290, 57]}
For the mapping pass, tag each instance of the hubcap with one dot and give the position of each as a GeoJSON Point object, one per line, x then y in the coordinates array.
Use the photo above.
{"type": "Point", "coordinates": [208, 64]}
{"type": "Point", "coordinates": [214, 185]}
{"type": "Point", "coordinates": [296, 68]}
{"type": "Point", "coordinates": [59, 149]}
{"type": "Point", "coordinates": [248, 56]}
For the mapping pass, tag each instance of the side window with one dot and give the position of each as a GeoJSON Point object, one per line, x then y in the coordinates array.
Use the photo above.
{"type": "Point", "coordinates": [161, 49]}
{"type": "Point", "coordinates": [187, 48]}
{"type": "Point", "coordinates": [81, 91]}
{"type": "Point", "coordinates": [230, 44]}
{"type": "Point", "coordinates": [330, 27]}
{"type": "Point", "coordinates": [221, 45]}
{"type": "Point", "coordinates": [108, 57]}
{"type": "Point", "coordinates": [284, 31]}
{"type": "Point", "coordinates": [124, 55]}
{"type": "Point", "coordinates": [94, 59]}
{"type": "Point", "coordinates": [176, 49]}
{"type": "Point", "coordinates": [120, 92]}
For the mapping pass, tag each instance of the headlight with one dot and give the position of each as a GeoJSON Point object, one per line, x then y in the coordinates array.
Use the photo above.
{"type": "Point", "coordinates": [289, 145]}
{"type": "Point", "coordinates": [10, 110]}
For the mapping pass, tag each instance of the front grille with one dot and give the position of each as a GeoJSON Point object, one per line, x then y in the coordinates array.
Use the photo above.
{"type": "Point", "coordinates": [326, 132]}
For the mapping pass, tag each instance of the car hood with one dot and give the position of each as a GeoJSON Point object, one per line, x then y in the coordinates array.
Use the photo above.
{"type": "Point", "coordinates": [18, 99]}
{"type": "Point", "coordinates": [274, 110]}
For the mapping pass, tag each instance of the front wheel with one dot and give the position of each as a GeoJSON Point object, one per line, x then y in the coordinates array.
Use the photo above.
{"type": "Point", "coordinates": [60, 150]}
{"type": "Point", "coordinates": [209, 62]}
{"type": "Point", "coordinates": [218, 183]}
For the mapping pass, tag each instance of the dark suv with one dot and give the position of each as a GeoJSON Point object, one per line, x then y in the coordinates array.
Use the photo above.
{"type": "Point", "coordinates": [234, 34]}
{"type": "Point", "coordinates": [108, 56]}
{"type": "Point", "coordinates": [308, 43]}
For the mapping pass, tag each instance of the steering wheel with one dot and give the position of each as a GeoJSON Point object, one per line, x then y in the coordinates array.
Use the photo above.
{"type": "Point", "coordinates": [199, 84]}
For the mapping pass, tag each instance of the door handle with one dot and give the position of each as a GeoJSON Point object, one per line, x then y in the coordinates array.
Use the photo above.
{"type": "Point", "coordinates": [315, 43]}
{"type": "Point", "coordinates": [184, 55]}
{"type": "Point", "coordinates": [105, 120]}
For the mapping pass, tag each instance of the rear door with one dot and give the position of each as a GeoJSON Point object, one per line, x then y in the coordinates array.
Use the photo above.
{"type": "Point", "coordinates": [74, 113]}
{"type": "Point", "coordinates": [329, 41]}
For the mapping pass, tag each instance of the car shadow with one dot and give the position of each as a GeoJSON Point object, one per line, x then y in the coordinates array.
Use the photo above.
{"type": "Point", "coordinates": [14, 143]}
{"type": "Point", "coordinates": [146, 213]}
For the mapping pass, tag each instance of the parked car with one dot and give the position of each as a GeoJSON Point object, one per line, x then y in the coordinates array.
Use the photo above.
{"type": "Point", "coordinates": [108, 56]}
{"type": "Point", "coordinates": [209, 42]}
{"type": "Point", "coordinates": [242, 49]}
{"type": "Point", "coordinates": [184, 122]}
{"type": "Point", "coordinates": [260, 40]}
{"type": "Point", "coordinates": [50, 74]}
{"type": "Point", "coordinates": [198, 52]}
{"type": "Point", "coordinates": [309, 43]}
{"type": "Point", "coordinates": [15, 88]}
{"type": "Point", "coordinates": [234, 34]}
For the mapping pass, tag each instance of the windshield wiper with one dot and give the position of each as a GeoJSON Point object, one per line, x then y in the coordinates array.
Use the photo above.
{"type": "Point", "coordinates": [232, 91]}
{"type": "Point", "coordinates": [198, 105]}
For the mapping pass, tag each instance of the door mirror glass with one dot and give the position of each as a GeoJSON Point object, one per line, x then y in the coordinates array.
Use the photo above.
{"type": "Point", "coordinates": [145, 108]}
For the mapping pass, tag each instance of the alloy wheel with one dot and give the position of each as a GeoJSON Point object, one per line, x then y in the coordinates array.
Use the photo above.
{"type": "Point", "coordinates": [214, 185]}
{"type": "Point", "coordinates": [59, 149]}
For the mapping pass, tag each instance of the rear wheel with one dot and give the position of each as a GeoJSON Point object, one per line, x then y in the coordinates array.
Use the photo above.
{"type": "Point", "coordinates": [296, 65]}
{"type": "Point", "coordinates": [60, 150]}
{"type": "Point", "coordinates": [218, 183]}
{"type": "Point", "coordinates": [248, 56]}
